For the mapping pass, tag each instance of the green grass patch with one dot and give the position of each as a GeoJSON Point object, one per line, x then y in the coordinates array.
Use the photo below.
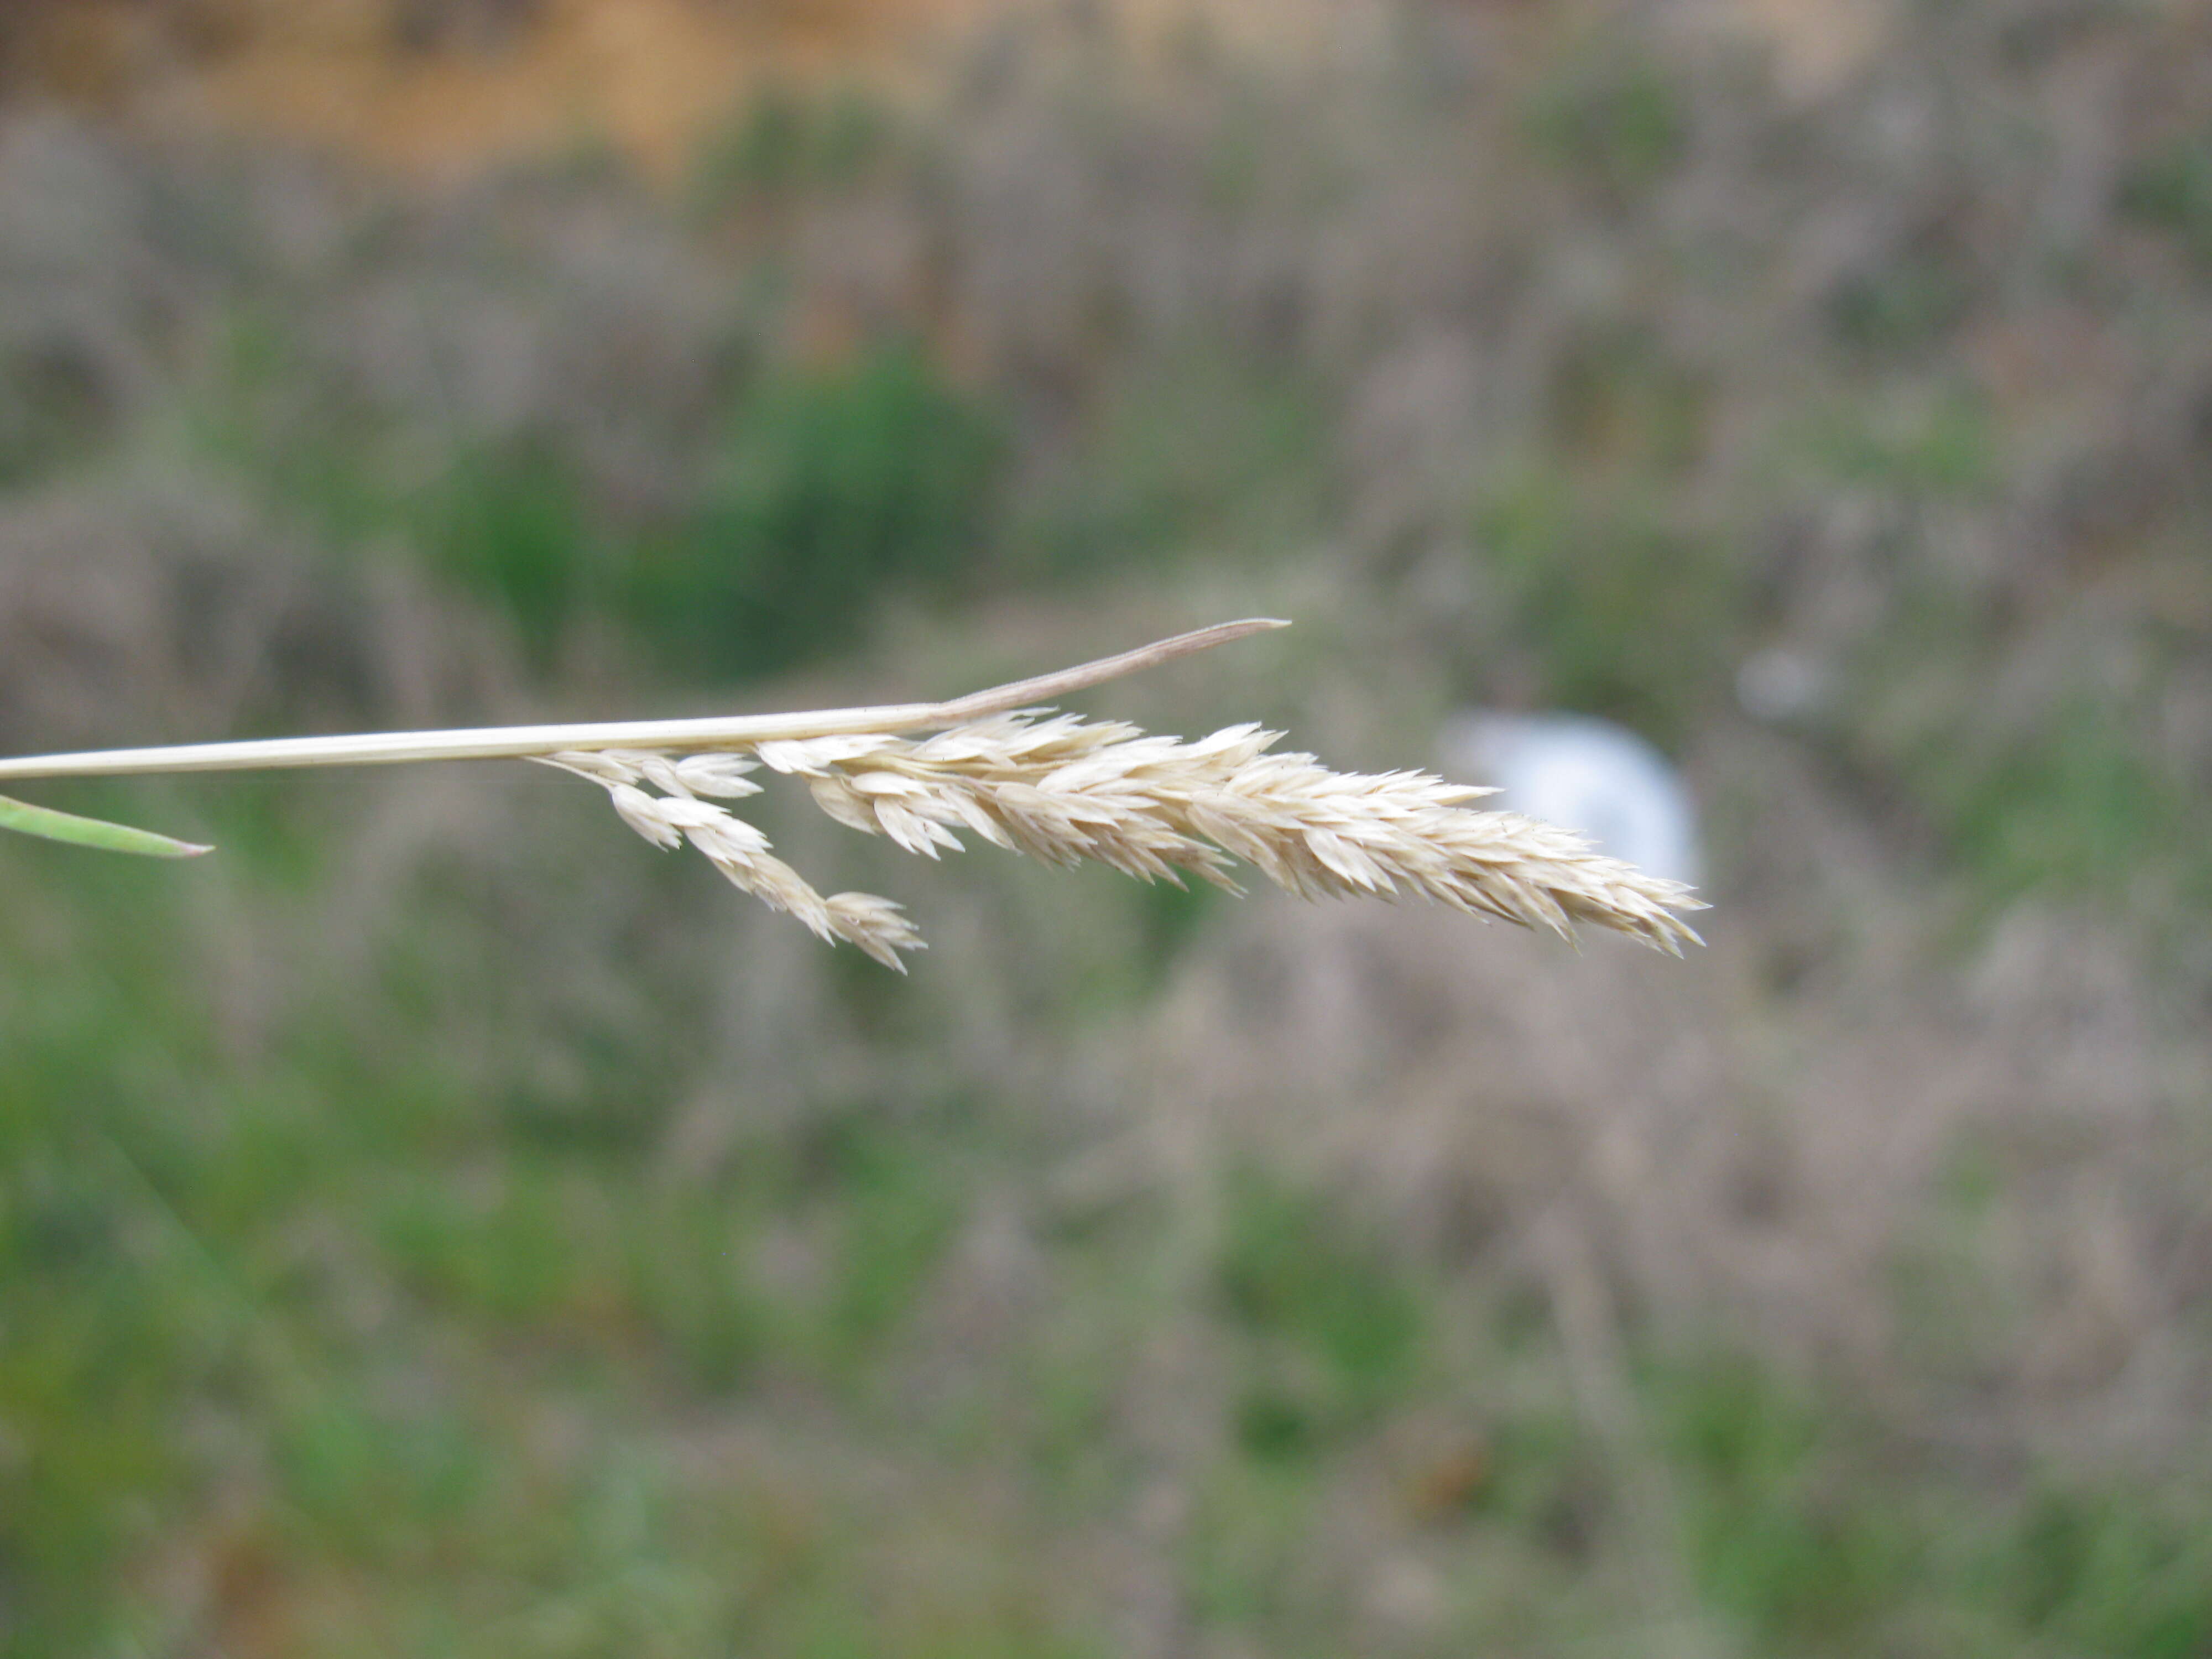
{"type": "Point", "coordinates": [2171, 189]}
{"type": "Point", "coordinates": [1614, 609]}
{"type": "Point", "coordinates": [1610, 115]}
{"type": "Point", "coordinates": [828, 488]}
{"type": "Point", "coordinates": [1338, 1329]}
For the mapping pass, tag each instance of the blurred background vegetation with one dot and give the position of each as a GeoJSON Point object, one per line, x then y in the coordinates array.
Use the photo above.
{"type": "Point", "coordinates": [439, 1225]}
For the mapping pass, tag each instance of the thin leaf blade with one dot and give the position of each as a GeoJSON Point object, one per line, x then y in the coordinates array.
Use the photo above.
{"type": "Point", "coordinates": [46, 822]}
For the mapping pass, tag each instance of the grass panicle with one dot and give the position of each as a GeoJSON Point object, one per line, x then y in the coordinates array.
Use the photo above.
{"type": "Point", "coordinates": [1050, 785]}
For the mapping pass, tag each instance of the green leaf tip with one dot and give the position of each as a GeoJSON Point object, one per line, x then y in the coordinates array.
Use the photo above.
{"type": "Point", "coordinates": [43, 821]}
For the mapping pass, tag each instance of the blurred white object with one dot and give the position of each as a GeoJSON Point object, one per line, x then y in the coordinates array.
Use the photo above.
{"type": "Point", "coordinates": [1581, 773]}
{"type": "Point", "coordinates": [1780, 685]}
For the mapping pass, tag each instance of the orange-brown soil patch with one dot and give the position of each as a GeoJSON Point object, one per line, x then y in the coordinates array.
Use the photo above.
{"type": "Point", "coordinates": [435, 84]}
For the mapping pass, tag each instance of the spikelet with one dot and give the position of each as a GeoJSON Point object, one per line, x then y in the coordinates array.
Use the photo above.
{"type": "Point", "coordinates": [732, 846]}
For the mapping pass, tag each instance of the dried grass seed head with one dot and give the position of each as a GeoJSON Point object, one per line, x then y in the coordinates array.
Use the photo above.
{"type": "Point", "coordinates": [1066, 790]}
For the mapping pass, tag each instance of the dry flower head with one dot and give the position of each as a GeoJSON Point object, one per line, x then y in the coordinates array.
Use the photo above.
{"type": "Point", "coordinates": [1051, 785]}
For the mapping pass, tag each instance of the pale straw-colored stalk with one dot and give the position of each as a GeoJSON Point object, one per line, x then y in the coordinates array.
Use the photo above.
{"type": "Point", "coordinates": [1052, 785]}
